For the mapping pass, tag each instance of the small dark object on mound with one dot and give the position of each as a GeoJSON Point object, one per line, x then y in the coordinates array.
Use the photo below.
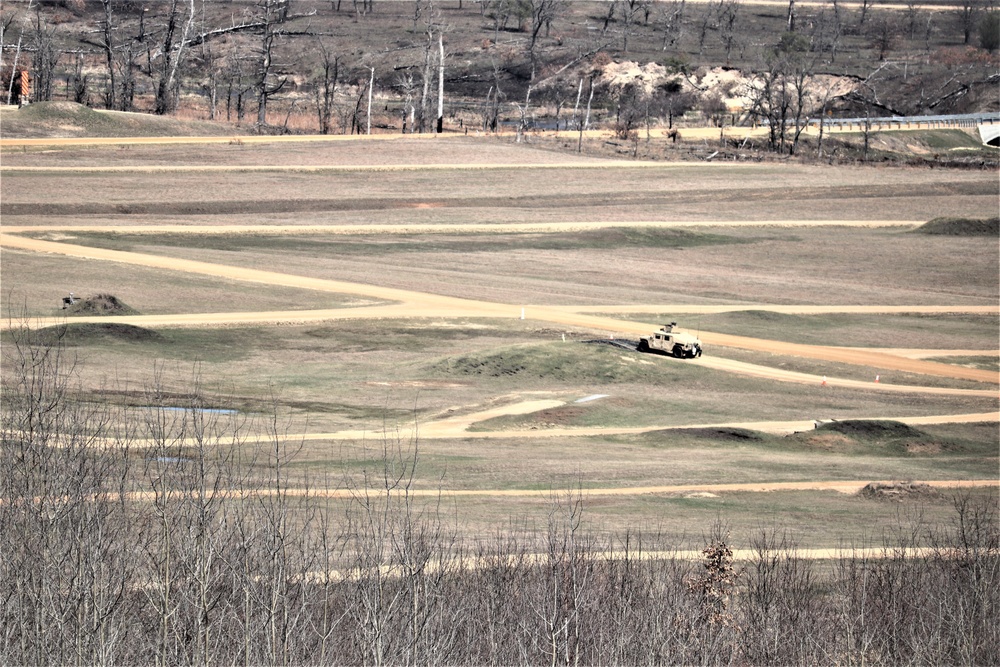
{"type": "Point", "coordinates": [961, 227]}
{"type": "Point", "coordinates": [80, 333]}
{"type": "Point", "coordinates": [896, 490]}
{"type": "Point", "coordinates": [100, 304]}
{"type": "Point", "coordinates": [871, 429]}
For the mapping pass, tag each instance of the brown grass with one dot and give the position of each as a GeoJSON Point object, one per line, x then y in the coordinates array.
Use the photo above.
{"type": "Point", "coordinates": [349, 375]}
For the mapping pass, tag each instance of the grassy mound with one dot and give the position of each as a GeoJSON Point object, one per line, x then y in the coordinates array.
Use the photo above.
{"type": "Point", "coordinates": [875, 438]}
{"type": "Point", "coordinates": [561, 363]}
{"type": "Point", "coordinates": [68, 119]}
{"type": "Point", "coordinates": [961, 227]}
{"type": "Point", "coordinates": [100, 304]}
{"type": "Point", "coordinates": [864, 429]}
{"type": "Point", "coordinates": [78, 334]}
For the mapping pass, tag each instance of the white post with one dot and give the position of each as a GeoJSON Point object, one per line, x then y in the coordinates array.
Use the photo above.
{"type": "Point", "coordinates": [371, 84]}
{"type": "Point", "coordinates": [522, 313]}
{"type": "Point", "coordinates": [440, 123]}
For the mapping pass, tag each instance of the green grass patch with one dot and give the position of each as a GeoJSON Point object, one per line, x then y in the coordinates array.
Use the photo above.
{"type": "Point", "coordinates": [946, 139]}
{"type": "Point", "coordinates": [948, 226]}
{"type": "Point", "coordinates": [561, 362]}
{"type": "Point", "coordinates": [237, 343]}
{"type": "Point", "coordinates": [95, 334]}
{"type": "Point", "coordinates": [387, 335]}
{"type": "Point", "coordinates": [984, 363]}
{"type": "Point", "coordinates": [353, 245]}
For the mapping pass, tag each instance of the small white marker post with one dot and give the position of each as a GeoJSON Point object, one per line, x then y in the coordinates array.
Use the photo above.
{"type": "Point", "coordinates": [564, 338]}
{"type": "Point", "coordinates": [522, 313]}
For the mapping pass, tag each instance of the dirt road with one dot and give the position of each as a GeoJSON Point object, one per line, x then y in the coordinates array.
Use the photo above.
{"type": "Point", "coordinates": [846, 487]}
{"type": "Point", "coordinates": [432, 305]}
{"type": "Point", "coordinates": [441, 228]}
{"type": "Point", "coordinates": [456, 428]}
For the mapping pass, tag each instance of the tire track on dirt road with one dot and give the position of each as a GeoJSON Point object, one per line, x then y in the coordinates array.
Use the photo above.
{"type": "Point", "coordinates": [442, 305]}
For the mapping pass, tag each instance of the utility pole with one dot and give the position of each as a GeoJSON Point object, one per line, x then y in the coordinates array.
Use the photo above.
{"type": "Point", "coordinates": [440, 123]}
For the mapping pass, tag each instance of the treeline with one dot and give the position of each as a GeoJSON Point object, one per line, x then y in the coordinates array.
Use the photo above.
{"type": "Point", "coordinates": [269, 59]}
{"type": "Point", "coordinates": [147, 535]}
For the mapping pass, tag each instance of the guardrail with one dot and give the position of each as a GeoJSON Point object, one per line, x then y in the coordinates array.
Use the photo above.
{"type": "Point", "coordinates": [908, 122]}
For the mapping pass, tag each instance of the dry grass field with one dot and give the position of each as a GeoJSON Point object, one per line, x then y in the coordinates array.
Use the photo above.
{"type": "Point", "coordinates": [448, 341]}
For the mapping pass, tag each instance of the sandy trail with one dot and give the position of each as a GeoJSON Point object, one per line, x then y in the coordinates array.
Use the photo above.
{"type": "Point", "coordinates": [442, 306]}
{"type": "Point", "coordinates": [456, 428]}
{"type": "Point", "coordinates": [405, 310]}
{"type": "Point", "coordinates": [846, 487]}
{"type": "Point", "coordinates": [451, 425]}
{"type": "Point", "coordinates": [228, 139]}
{"type": "Point", "coordinates": [595, 164]}
{"type": "Point", "coordinates": [441, 228]}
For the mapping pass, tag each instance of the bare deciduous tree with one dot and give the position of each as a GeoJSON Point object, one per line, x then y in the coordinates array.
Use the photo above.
{"type": "Point", "coordinates": [326, 87]}
{"type": "Point", "coordinates": [44, 58]}
{"type": "Point", "coordinates": [266, 85]}
{"type": "Point", "coordinates": [541, 14]}
{"type": "Point", "coordinates": [172, 52]}
{"type": "Point", "coordinates": [780, 92]}
{"type": "Point", "coordinates": [165, 532]}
